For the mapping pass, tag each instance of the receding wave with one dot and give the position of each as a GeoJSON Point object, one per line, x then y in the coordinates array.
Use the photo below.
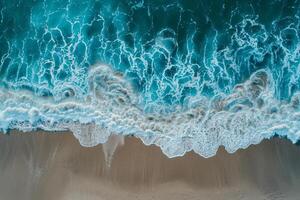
{"type": "Point", "coordinates": [182, 75]}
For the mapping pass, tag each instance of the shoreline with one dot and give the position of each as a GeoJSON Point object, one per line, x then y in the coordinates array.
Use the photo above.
{"type": "Point", "coordinates": [55, 166]}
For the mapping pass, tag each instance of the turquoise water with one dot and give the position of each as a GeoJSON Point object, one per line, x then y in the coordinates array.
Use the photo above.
{"type": "Point", "coordinates": [184, 75]}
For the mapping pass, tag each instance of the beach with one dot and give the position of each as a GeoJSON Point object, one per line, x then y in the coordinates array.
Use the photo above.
{"type": "Point", "coordinates": [46, 166]}
{"type": "Point", "coordinates": [199, 100]}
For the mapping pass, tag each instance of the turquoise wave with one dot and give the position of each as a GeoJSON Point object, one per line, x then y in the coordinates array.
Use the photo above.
{"type": "Point", "coordinates": [184, 75]}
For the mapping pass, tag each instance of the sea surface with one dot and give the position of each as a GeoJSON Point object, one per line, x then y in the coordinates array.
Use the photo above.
{"type": "Point", "coordinates": [184, 75]}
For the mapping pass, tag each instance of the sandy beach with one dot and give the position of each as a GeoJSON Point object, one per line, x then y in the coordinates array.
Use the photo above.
{"type": "Point", "coordinates": [53, 166]}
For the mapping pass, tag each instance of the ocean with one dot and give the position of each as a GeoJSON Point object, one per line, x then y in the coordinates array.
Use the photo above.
{"type": "Point", "coordinates": [184, 75]}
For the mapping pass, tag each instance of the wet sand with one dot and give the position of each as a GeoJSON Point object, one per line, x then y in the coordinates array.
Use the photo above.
{"type": "Point", "coordinates": [39, 166]}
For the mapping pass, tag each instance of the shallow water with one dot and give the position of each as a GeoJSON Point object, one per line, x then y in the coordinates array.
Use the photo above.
{"type": "Point", "coordinates": [53, 166]}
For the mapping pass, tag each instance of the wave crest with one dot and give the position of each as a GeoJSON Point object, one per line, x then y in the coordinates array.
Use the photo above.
{"type": "Point", "coordinates": [246, 116]}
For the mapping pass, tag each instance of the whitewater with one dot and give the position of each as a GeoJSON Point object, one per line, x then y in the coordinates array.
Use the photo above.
{"type": "Point", "coordinates": [183, 75]}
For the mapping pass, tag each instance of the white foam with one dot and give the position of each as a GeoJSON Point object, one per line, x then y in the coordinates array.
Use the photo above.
{"type": "Point", "coordinates": [246, 116]}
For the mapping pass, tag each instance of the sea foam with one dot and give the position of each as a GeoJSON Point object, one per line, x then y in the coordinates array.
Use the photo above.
{"type": "Point", "coordinates": [246, 116]}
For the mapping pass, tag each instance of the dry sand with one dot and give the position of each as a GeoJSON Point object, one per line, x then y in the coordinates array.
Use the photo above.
{"type": "Point", "coordinates": [48, 166]}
